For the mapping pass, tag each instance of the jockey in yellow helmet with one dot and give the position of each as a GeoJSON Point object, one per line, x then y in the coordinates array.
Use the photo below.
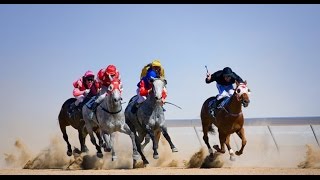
{"type": "Point", "coordinates": [155, 65]}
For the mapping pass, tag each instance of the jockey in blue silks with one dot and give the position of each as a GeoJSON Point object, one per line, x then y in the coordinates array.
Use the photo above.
{"type": "Point", "coordinates": [225, 79]}
{"type": "Point", "coordinates": [144, 88]}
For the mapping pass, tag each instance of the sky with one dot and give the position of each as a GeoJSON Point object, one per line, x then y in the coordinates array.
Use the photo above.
{"type": "Point", "coordinates": [44, 48]}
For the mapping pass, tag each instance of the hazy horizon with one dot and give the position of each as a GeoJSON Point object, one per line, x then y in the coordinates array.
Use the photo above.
{"type": "Point", "coordinates": [44, 48]}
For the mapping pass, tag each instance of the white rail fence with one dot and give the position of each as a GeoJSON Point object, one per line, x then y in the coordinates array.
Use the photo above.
{"type": "Point", "coordinates": [272, 121]}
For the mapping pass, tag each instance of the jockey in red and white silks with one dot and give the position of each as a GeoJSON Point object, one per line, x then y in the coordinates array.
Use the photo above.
{"type": "Point", "coordinates": [104, 78]}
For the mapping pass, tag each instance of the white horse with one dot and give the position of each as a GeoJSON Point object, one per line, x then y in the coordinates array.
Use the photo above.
{"type": "Point", "coordinates": [109, 118]}
{"type": "Point", "coordinates": [149, 118]}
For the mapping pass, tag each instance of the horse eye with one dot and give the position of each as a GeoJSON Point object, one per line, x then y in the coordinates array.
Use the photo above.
{"type": "Point", "coordinates": [110, 87]}
{"type": "Point", "coordinates": [238, 91]}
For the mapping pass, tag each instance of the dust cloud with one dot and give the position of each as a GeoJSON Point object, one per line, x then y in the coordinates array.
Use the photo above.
{"type": "Point", "coordinates": [312, 158]}
{"type": "Point", "coordinates": [54, 156]}
{"type": "Point", "coordinates": [199, 160]}
{"type": "Point", "coordinates": [20, 155]}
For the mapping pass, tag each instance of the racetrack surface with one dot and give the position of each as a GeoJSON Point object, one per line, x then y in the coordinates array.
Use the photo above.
{"type": "Point", "coordinates": [256, 160]}
{"type": "Point", "coordinates": [166, 171]}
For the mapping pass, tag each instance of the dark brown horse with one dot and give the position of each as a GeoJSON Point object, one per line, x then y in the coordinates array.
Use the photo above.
{"type": "Point", "coordinates": [77, 122]}
{"type": "Point", "coordinates": [229, 120]}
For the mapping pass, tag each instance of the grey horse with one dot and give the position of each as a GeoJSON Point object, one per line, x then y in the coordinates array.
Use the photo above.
{"type": "Point", "coordinates": [109, 118]}
{"type": "Point", "coordinates": [149, 118]}
{"type": "Point", "coordinates": [76, 122]}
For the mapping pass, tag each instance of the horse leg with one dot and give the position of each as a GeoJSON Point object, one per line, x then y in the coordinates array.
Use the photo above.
{"type": "Point", "coordinates": [82, 138]}
{"type": "Point", "coordinates": [146, 141]}
{"type": "Point", "coordinates": [232, 158]}
{"type": "Point", "coordinates": [244, 141]}
{"type": "Point", "coordinates": [206, 140]}
{"type": "Point", "coordinates": [138, 144]}
{"type": "Point", "coordinates": [65, 137]}
{"type": "Point", "coordinates": [113, 153]}
{"type": "Point", "coordinates": [222, 139]}
{"type": "Point", "coordinates": [93, 140]}
{"type": "Point", "coordinates": [166, 135]}
{"type": "Point", "coordinates": [135, 155]}
{"type": "Point", "coordinates": [107, 145]}
{"type": "Point", "coordinates": [155, 145]}
{"type": "Point", "coordinates": [99, 135]}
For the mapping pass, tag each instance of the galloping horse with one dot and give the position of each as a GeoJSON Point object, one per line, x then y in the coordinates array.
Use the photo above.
{"type": "Point", "coordinates": [109, 117]}
{"type": "Point", "coordinates": [76, 122]}
{"type": "Point", "coordinates": [149, 118]}
{"type": "Point", "coordinates": [229, 120]}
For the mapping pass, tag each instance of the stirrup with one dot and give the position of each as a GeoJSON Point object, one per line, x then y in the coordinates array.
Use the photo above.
{"type": "Point", "coordinates": [91, 115]}
{"type": "Point", "coordinates": [211, 111]}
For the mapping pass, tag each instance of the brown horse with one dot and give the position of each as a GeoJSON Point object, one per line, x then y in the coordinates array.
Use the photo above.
{"type": "Point", "coordinates": [229, 119]}
{"type": "Point", "coordinates": [77, 122]}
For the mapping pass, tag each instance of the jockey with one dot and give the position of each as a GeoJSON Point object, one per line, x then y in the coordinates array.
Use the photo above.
{"type": "Point", "coordinates": [144, 88]}
{"type": "Point", "coordinates": [155, 65]}
{"type": "Point", "coordinates": [104, 78]}
{"type": "Point", "coordinates": [84, 86]}
{"type": "Point", "coordinates": [225, 79]}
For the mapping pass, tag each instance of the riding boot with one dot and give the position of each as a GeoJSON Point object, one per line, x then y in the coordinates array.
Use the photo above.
{"type": "Point", "coordinates": [71, 109]}
{"type": "Point", "coordinates": [93, 109]}
{"type": "Point", "coordinates": [213, 107]}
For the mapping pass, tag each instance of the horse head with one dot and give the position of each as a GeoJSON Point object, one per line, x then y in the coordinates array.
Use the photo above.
{"type": "Point", "coordinates": [114, 95]}
{"type": "Point", "coordinates": [157, 88]}
{"type": "Point", "coordinates": [242, 93]}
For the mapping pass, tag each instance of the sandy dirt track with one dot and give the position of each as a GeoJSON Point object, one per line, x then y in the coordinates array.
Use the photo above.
{"type": "Point", "coordinates": [166, 171]}
{"type": "Point", "coordinates": [53, 161]}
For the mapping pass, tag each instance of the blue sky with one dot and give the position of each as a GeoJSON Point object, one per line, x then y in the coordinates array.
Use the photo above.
{"type": "Point", "coordinates": [44, 48]}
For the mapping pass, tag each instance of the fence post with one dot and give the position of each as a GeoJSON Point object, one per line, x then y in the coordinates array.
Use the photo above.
{"type": "Point", "coordinates": [274, 140]}
{"type": "Point", "coordinates": [315, 136]}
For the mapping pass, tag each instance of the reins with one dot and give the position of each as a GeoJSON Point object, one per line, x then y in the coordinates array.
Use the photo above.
{"type": "Point", "coordinates": [106, 110]}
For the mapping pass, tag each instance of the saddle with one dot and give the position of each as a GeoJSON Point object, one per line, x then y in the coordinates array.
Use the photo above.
{"type": "Point", "coordinates": [73, 109]}
{"type": "Point", "coordinates": [215, 104]}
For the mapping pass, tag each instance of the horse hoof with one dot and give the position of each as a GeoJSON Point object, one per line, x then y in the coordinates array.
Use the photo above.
{"type": "Point", "coordinates": [145, 163]}
{"type": "Point", "coordinates": [114, 158]}
{"type": "Point", "coordinates": [69, 153]}
{"type": "Point", "coordinates": [232, 158]}
{"type": "Point", "coordinates": [174, 149]}
{"type": "Point", "coordinates": [76, 152]}
{"type": "Point", "coordinates": [107, 149]}
{"type": "Point", "coordinates": [85, 150]}
{"type": "Point", "coordinates": [136, 157]}
{"type": "Point", "coordinates": [216, 147]}
{"type": "Point", "coordinates": [100, 155]}
{"type": "Point", "coordinates": [155, 156]}
{"type": "Point", "coordinates": [211, 157]}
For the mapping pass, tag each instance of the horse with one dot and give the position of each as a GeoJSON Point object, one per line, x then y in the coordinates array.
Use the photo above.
{"type": "Point", "coordinates": [109, 118]}
{"type": "Point", "coordinates": [77, 123]}
{"type": "Point", "coordinates": [229, 119]}
{"type": "Point", "coordinates": [149, 118]}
